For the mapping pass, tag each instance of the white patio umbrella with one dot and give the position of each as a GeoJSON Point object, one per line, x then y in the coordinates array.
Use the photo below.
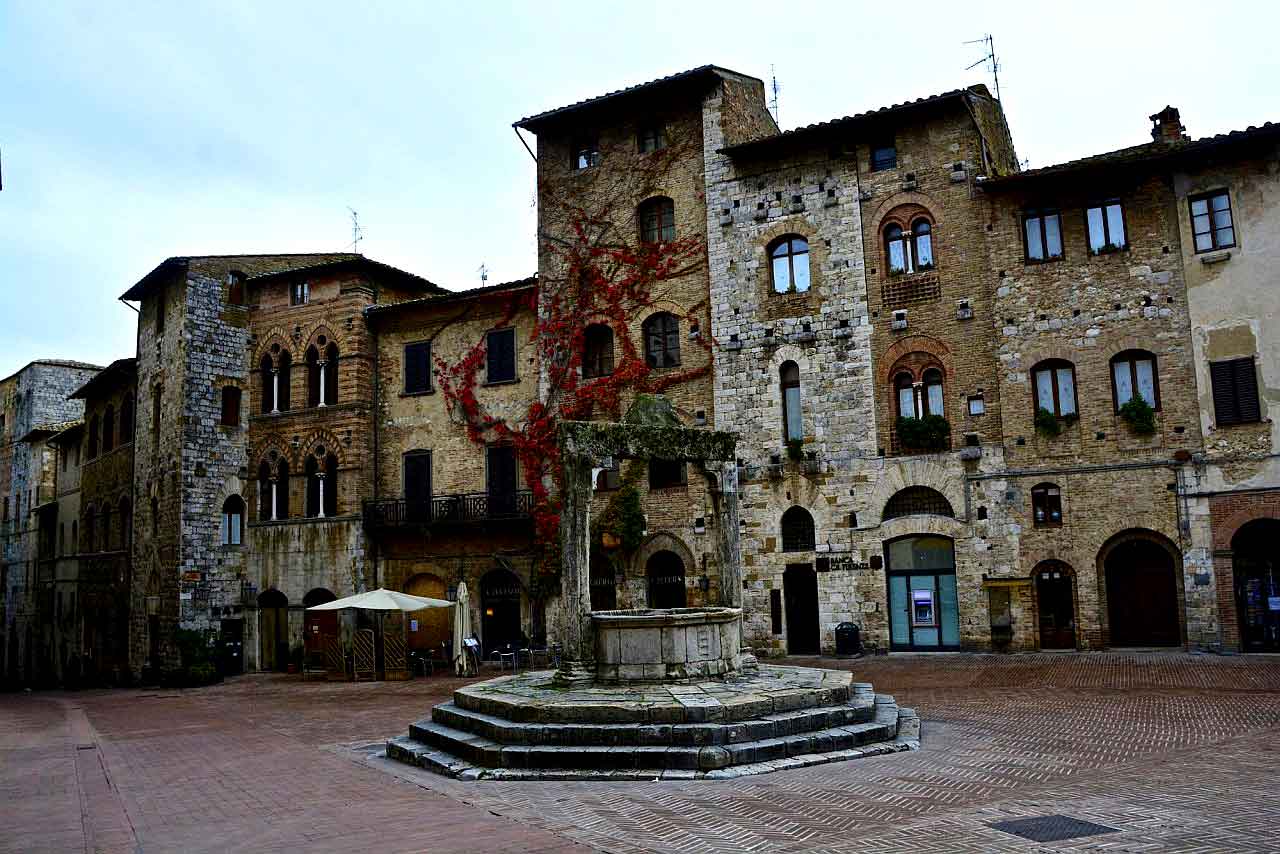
{"type": "Point", "coordinates": [383, 600]}
{"type": "Point", "coordinates": [461, 629]}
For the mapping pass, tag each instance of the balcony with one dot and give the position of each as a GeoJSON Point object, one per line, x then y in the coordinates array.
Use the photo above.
{"type": "Point", "coordinates": [473, 508]}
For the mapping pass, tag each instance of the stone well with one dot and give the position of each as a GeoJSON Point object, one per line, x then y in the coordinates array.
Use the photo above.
{"type": "Point", "coordinates": [663, 645]}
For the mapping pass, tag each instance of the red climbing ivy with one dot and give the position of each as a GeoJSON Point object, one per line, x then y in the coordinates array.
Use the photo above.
{"type": "Point", "coordinates": [599, 277]}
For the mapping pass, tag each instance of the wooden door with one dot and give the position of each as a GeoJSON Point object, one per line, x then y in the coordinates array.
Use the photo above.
{"type": "Point", "coordinates": [800, 592]}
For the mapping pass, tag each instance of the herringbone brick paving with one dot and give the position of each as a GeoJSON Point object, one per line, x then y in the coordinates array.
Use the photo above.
{"type": "Point", "coordinates": [1177, 751]}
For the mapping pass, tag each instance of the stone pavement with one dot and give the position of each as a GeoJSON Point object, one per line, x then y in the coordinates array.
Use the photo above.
{"type": "Point", "coordinates": [1175, 752]}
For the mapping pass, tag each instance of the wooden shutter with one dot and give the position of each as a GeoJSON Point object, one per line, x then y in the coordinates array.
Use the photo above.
{"type": "Point", "coordinates": [417, 368]}
{"type": "Point", "coordinates": [502, 355]}
{"type": "Point", "coordinates": [1235, 391]}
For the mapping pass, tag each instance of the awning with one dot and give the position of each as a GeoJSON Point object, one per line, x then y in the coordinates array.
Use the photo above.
{"type": "Point", "coordinates": [383, 600]}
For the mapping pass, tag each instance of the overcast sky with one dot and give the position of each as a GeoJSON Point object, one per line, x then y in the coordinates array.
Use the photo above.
{"type": "Point", "coordinates": [133, 131]}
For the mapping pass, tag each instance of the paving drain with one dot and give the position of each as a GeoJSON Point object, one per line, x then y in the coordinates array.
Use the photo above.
{"type": "Point", "coordinates": [1052, 828]}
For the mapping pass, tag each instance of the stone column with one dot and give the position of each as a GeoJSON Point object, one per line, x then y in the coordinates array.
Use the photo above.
{"type": "Point", "coordinates": [723, 482]}
{"type": "Point", "coordinates": [575, 580]}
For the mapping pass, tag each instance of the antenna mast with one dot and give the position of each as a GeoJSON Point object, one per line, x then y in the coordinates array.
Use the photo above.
{"type": "Point", "coordinates": [990, 44]}
{"type": "Point", "coordinates": [357, 233]}
{"type": "Point", "coordinates": [484, 274]}
{"type": "Point", "coordinates": [773, 101]}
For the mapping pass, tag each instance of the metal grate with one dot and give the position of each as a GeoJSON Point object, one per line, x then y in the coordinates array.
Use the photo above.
{"type": "Point", "coordinates": [1051, 828]}
{"type": "Point", "coordinates": [915, 500]}
{"type": "Point", "coordinates": [910, 290]}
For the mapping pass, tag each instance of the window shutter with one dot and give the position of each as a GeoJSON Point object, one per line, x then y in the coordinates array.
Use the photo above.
{"type": "Point", "coordinates": [1248, 407]}
{"type": "Point", "coordinates": [1222, 377]}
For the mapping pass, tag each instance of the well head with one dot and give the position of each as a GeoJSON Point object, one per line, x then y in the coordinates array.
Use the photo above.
{"type": "Point", "coordinates": [667, 644]}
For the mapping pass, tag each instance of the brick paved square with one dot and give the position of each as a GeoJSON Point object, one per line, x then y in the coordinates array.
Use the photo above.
{"type": "Point", "coordinates": [1177, 752]}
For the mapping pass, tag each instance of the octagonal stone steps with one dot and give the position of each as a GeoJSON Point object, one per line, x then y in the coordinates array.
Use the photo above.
{"type": "Point", "coordinates": [463, 742]}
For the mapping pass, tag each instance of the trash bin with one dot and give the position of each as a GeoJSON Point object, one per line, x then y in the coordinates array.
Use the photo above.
{"type": "Point", "coordinates": [848, 639]}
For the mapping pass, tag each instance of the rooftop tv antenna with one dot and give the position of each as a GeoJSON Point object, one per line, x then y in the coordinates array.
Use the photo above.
{"type": "Point", "coordinates": [484, 274]}
{"type": "Point", "coordinates": [990, 59]}
{"type": "Point", "coordinates": [357, 233]}
{"type": "Point", "coordinates": [773, 100]}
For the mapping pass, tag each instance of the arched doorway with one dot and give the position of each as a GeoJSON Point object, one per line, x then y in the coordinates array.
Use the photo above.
{"type": "Point", "coordinates": [1055, 600]}
{"type": "Point", "coordinates": [800, 590]}
{"type": "Point", "coordinates": [1254, 552]}
{"type": "Point", "coordinates": [273, 616]}
{"type": "Point", "coordinates": [1142, 592]}
{"type": "Point", "coordinates": [430, 627]}
{"type": "Point", "coordinates": [665, 574]}
{"type": "Point", "coordinates": [318, 626]}
{"type": "Point", "coordinates": [500, 610]}
{"type": "Point", "coordinates": [604, 585]}
{"type": "Point", "coordinates": [924, 612]}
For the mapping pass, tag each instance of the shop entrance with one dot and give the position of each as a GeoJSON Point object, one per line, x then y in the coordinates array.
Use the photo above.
{"type": "Point", "coordinates": [429, 628]}
{"type": "Point", "coordinates": [273, 613]}
{"type": "Point", "coordinates": [1142, 594]}
{"type": "Point", "coordinates": [1056, 603]}
{"type": "Point", "coordinates": [665, 573]}
{"type": "Point", "coordinates": [800, 590]}
{"type": "Point", "coordinates": [1255, 548]}
{"type": "Point", "coordinates": [924, 613]}
{"type": "Point", "coordinates": [500, 611]}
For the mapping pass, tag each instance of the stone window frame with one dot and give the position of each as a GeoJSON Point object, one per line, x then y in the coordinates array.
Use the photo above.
{"type": "Point", "coordinates": [775, 304]}
{"type": "Point", "coordinates": [231, 405]}
{"type": "Point", "coordinates": [797, 530]}
{"type": "Point", "coordinates": [790, 255]}
{"type": "Point", "coordinates": [1042, 213]}
{"type": "Point", "coordinates": [784, 385]}
{"type": "Point", "coordinates": [1046, 497]}
{"type": "Point", "coordinates": [1131, 356]}
{"type": "Point", "coordinates": [668, 335]}
{"type": "Point", "coordinates": [656, 220]}
{"type": "Point", "coordinates": [1208, 197]}
{"type": "Point", "coordinates": [599, 354]}
{"type": "Point", "coordinates": [1053, 364]}
{"type": "Point", "coordinates": [232, 519]}
{"type": "Point", "coordinates": [908, 223]}
{"type": "Point", "coordinates": [916, 365]}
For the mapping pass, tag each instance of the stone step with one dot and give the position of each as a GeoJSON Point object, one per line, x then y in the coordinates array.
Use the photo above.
{"type": "Point", "coordinates": [653, 707]}
{"type": "Point", "coordinates": [435, 745]}
{"type": "Point", "coordinates": [861, 708]}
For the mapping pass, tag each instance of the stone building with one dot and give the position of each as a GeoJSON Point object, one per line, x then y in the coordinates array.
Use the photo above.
{"type": "Point", "coordinates": [252, 454]}
{"type": "Point", "coordinates": [443, 508]}
{"type": "Point", "coordinates": [629, 169]}
{"type": "Point", "coordinates": [33, 407]}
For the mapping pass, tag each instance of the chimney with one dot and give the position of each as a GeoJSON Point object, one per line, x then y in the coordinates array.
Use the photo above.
{"type": "Point", "coordinates": [1167, 126]}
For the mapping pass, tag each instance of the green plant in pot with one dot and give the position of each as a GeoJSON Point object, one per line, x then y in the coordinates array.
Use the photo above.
{"type": "Point", "coordinates": [1047, 423]}
{"type": "Point", "coordinates": [929, 433]}
{"type": "Point", "coordinates": [1140, 416]}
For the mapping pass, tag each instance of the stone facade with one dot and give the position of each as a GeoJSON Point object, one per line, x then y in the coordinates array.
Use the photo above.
{"type": "Point", "coordinates": [34, 406]}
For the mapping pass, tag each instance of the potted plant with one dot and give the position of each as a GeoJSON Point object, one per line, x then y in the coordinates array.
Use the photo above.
{"type": "Point", "coordinates": [1139, 415]}
{"type": "Point", "coordinates": [930, 433]}
{"type": "Point", "coordinates": [1047, 423]}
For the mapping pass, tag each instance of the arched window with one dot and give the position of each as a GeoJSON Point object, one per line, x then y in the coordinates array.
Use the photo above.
{"type": "Point", "coordinates": [95, 433]}
{"type": "Point", "coordinates": [792, 419]}
{"type": "Point", "coordinates": [597, 351]}
{"type": "Point", "coordinates": [329, 375]}
{"type": "Point", "coordinates": [266, 492]}
{"type": "Point", "coordinates": [126, 419]}
{"type": "Point", "coordinates": [232, 520]}
{"type": "Point", "coordinates": [1046, 505]}
{"type": "Point", "coordinates": [904, 389]}
{"type": "Point", "coordinates": [313, 376]}
{"type": "Point", "coordinates": [789, 264]}
{"type": "Point", "coordinates": [797, 530]}
{"type": "Point", "coordinates": [103, 536]}
{"type": "Point", "coordinates": [922, 240]}
{"type": "Point", "coordinates": [909, 251]}
{"type": "Point", "coordinates": [285, 373]}
{"type": "Point", "coordinates": [661, 340]}
{"type": "Point", "coordinates": [90, 527]}
{"type": "Point", "coordinates": [1054, 381]}
{"type": "Point", "coordinates": [916, 500]}
{"type": "Point", "coordinates": [322, 484]}
{"type": "Point", "coordinates": [1133, 373]}
{"type": "Point", "coordinates": [269, 385]}
{"type": "Point", "coordinates": [108, 428]}
{"type": "Point", "coordinates": [933, 396]}
{"type": "Point", "coordinates": [75, 537]}
{"type": "Point", "coordinates": [657, 220]}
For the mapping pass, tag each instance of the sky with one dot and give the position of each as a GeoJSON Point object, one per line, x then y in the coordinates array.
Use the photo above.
{"type": "Point", "coordinates": [134, 131]}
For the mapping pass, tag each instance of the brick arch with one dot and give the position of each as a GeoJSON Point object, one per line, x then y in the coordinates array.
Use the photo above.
{"type": "Point", "coordinates": [1224, 531]}
{"type": "Point", "coordinates": [275, 336]}
{"type": "Point", "coordinates": [916, 472]}
{"type": "Point", "coordinates": [261, 450]}
{"type": "Point", "coordinates": [1033, 356]}
{"type": "Point", "coordinates": [904, 215]}
{"type": "Point", "coordinates": [320, 437]}
{"type": "Point", "coordinates": [928, 345]}
{"type": "Point", "coordinates": [314, 332]}
{"type": "Point", "coordinates": [1100, 576]}
{"type": "Point", "coordinates": [910, 199]}
{"type": "Point", "coordinates": [659, 542]}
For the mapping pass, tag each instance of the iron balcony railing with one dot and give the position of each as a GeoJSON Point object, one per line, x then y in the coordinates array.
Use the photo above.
{"type": "Point", "coordinates": [439, 510]}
